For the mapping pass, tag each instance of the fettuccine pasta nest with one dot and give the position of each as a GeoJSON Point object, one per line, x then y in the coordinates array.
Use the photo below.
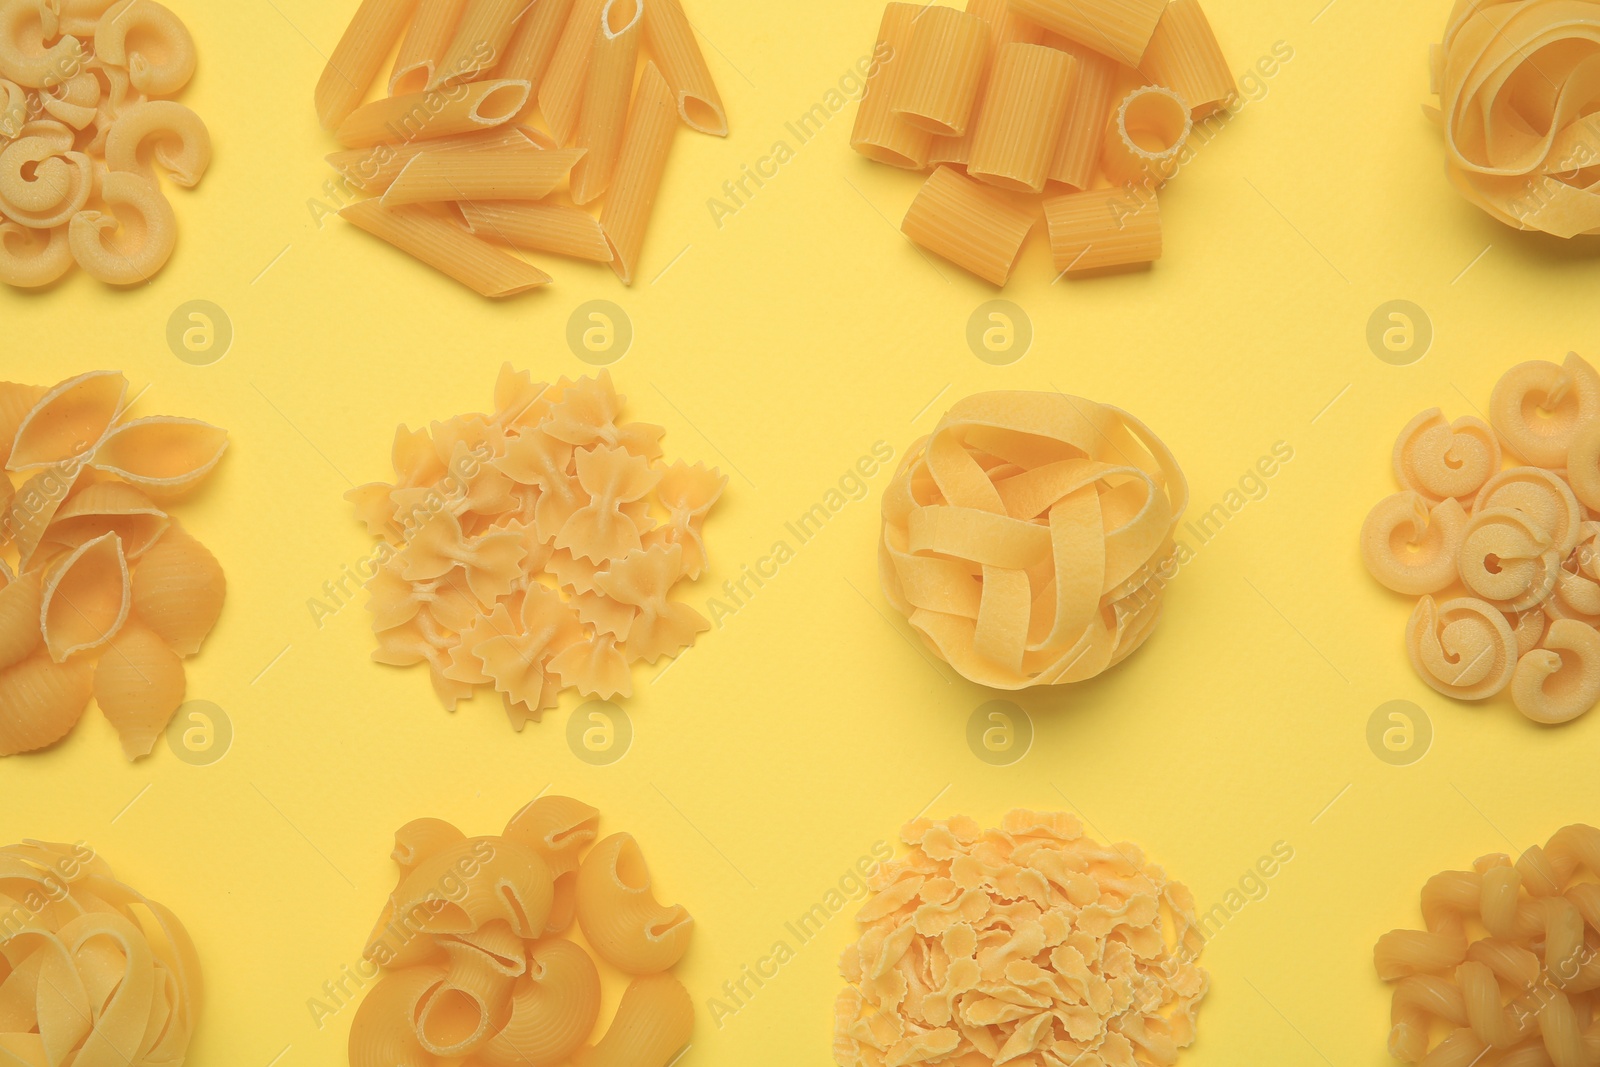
{"type": "Point", "coordinates": [1518, 99]}
{"type": "Point", "coordinates": [1028, 539]}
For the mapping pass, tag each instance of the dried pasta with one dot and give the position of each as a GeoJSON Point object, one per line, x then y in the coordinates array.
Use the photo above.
{"type": "Point", "coordinates": [1144, 143]}
{"type": "Point", "coordinates": [561, 92]}
{"type": "Point", "coordinates": [446, 247]}
{"type": "Point", "coordinates": [1022, 117]}
{"type": "Point", "coordinates": [1027, 539]}
{"type": "Point", "coordinates": [479, 41]}
{"type": "Point", "coordinates": [1506, 964]}
{"type": "Point", "coordinates": [1121, 29]}
{"type": "Point", "coordinates": [972, 226]}
{"type": "Point", "coordinates": [1005, 27]}
{"type": "Point", "coordinates": [422, 49]}
{"type": "Point", "coordinates": [139, 685]}
{"type": "Point", "coordinates": [619, 914]}
{"type": "Point", "coordinates": [171, 135]}
{"type": "Point", "coordinates": [565, 231]}
{"type": "Point", "coordinates": [671, 40]}
{"type": "Point", "coordinates": [148, 41]}
{"type": "Point", "coordinates": [646, 143]}
{"type": "Point", "coordinates": [606, 97]}
{"type": "Point", "coordinates": [424, 116]}
{"type": "Point", "coordinates": [86, 598]}
{"type": "Point", "coordinates": [944, 66]}
{"type": "Point", "coordinates": [515, 172]}
{"type": "Point", "coordinates": [118, 978]}
{"type": "Point", "coordinates": [880, 133]}
{"type": "Point", "coordinates": [356, 59]}
{"type": "Point", "coordinates": [121, 250]}
{"type": "Point", "coordinates": [471, 967]}
{"type": "Point", "coordinates": [1184, 56]}
{"type": "Point", "coordinates": [534, 549]}
{"type": "Point", "coordinates": [534, 42]}
{"type": "Point", "coordinates": [1103, 229]}
{"type": "Point", "coordinates": [1505, 558]}
{"type": "Point", "coordinates": [1026, 943]}
{"type": "Point", "coordinates": [373, 170]}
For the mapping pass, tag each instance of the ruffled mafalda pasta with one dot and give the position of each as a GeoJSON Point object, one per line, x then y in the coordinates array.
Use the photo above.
{"type": "Point", "coordinates": [1506, 966]}
{"type": "Point", "coordinates": [535, 549]}
{"type": "Point", "coordinates": [86, 128]}
{"type": "Point", "coordinates": [1505, 557]}
{"type": "Point", "coordinates": [1028, 943]}
{"type": "Point", "coordinates": [102, 591]}
{"type": "Point", "coordinates": [96, 972]}
{"type": "Point", "coordinates": [474, 963]}
{"type": "Point", "coordinates": [1517, 100]}
{"type": "Point", "coordinates": [1028, 539]}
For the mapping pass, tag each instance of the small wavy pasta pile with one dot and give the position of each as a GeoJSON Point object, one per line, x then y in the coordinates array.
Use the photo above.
{"type": "Point", "coordinates": [535, 549]}
{"type": "Point", "coordinates": [1517, 103]}
{"type": "Point", "coordinates": [91, 971]}
{"type": "Point", "coordinates": [1505, 558]}
{"type": "Point", "coordinates": [1026, 539]}
{"type": "Point", "coordinates": [1507, 970]}
{"type": "Point", "coordinates": [1029, 944]}
{"type": "Point", "coordinates": [86, 124]}
{"type": "Point", "coordinates": [102, 593]}
{"type": "Point", "coordinates": [475, 961]}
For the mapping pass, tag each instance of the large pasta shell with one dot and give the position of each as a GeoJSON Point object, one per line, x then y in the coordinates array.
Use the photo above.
{"type": "Point", "coordinates": [33, 509]}
{"type": "Point", "coordinates": [15, 403]}
{"type": "Point", "coordinates": [553, 1009]}
{"type": "Point", "coordinates": [19, 620]}
{"type": "Point", "coordinates": [139, 685]}
{"type": "Point", "coordinates": [86, 598]}
{"type": "Point", "coordinates": [178, 590]}
{"type": "Point", "coordinates": [164, 455]}
{"type": "Point", "coordinates": [109, 507]}
{"type": "Point", "coordinates": [41, 701]}
{"type": "Point", "coordinates": [69, 421]}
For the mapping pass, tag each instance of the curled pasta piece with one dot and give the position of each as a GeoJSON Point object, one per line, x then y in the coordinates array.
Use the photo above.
{"type": "Point", "coordinates": [80, 17]}
{"type": "Point", "coordinates": [86, 598]}
{"type": "Point", "coordinates": [33, 259]}
{"type": "Point", "coordinates": [1463, 648]}
{"type": "Point", "coordinates": [1538, 408]}
{"type": "Point", "coordinates": [167, 132]}
{"type": "Point", "coordinates": [20, 602]}
{"type": "Point", "coordinates": [1583, 465]}
{"type": "Point", "coordinates": [1438, 458]}
{"type": "Point", "coordinates": [653, 1023]}
{"type": "Point", "coordinates": [109, 507]}
{"type": "Point", "coordinates": [1418, 1000]}
{"type": "Point", "coordinates": [41, 701]}
{"type": "Point", "coordinates": [553, 1009]}
{"type": "Point", "coordinates": [1528, 627]}
{"type": "Point", "coordinates": [619, 914]}
{"type": "Point", "coordinates": [421, 838]}
{"type": "Point", "coordinates": [125, 252]}
{"type": "Point", "coordinates": [511, 883]}
{"type": "Point", "coordinates": [75, 101]}
{"type": "Point", "coordinates": [163, 455]}
{"type": "Point", "coordinates": [43, 185]}
{"type": "Point", "coordinates": [558, 829]}
{"type": "Point", "coordinates": [1561, 680]}
{"type": "Point", "coordinates": [26, 56]}
{"type": "Point", "coordinates": [139, 685]}
{"type": "Point", "coordinates": [1508, 560]}
{"type": "Point", "coordinates": [382, 1035]}
{"type": "Point", "coordinates": [1542, 496]}
{"type": "Point", "coordinates": [150, 43]}
{"type": "Point", "coordinates": [13, 109]}
{"type": "Point", "coordinates": [1410, 547]}
{"type": "Point", "coordinates": [178, 590]}
{"type": "Point", "coordinates": [68, 421]}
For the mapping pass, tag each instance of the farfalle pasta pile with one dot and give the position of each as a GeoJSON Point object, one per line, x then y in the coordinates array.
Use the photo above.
{"type": "Point", "coordinates": [535, 549]}
{"type": "Point", "coordinates": [1518, 103]}
{"type": "Point", "coordinates": [1028, 944]}
{"type": "Point", "coordinates": [87, 120]}
{"type": "Point", "coordinates": [476, 965]}
{"type": "Point", "coordinates": [1507, 969]}
{"type": "Point", "coordinates": [92, 972]}
{"type": "Point", "coordinates": [1026, 539]}
{"type": "Point", "coordinates": [1505, 558]}
{"type": "Point", "coordinates": [102, 593]}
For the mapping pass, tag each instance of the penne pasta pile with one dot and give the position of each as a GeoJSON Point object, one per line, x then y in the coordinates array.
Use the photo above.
{"type": "Point", "coordinates": [1087, 105]}
{"type": "Point", "coordinates": [455, 175]}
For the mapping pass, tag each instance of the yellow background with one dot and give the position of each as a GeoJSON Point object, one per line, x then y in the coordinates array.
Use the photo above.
{"type": "Point", "coordinates": [808, 727]}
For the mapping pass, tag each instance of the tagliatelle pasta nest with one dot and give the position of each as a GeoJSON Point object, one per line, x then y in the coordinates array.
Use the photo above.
{"type": "Point", "coordinates": [535, 549]}
{"type": "Point", "coordinates": [1508, 965]}
{"type": "Point", "coordinates": [92, 972]}
{"type": "Point", "coordinates": [1029, 944]}
{"type": "Point", "coordinates": [1517, 103]}
{"type": "Point", "coordinates": [1506, 561]}
{"type": "Point", "coordinates": [1028, 539]}
{"type": "Point", "coordinates": [102, 593]}
{"type": "Point", "coordinates": [86, 125]}
{"type": "Point", "coordinates": [474, 963]}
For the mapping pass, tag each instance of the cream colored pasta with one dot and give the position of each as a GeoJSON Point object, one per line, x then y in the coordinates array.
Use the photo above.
{"type": "Point", "coordinates": [13, 108]}
{"type": "Point", "coordinates": [1542, 497]}
{"type": "Point", "coordinates": [139, 685]}
{"type": "Point", "coordinates": [970, 225]}
{"type": "Point", "coordinates": [619, 914]}
{"type": "Point", "coordinates": [534, 42]}
{"type": "Point", "coordinates": [1022, 117]}
{"type": "Point", "coordinates": [131, 241]}
{"type": "Point", "coordinates": [86, 598]}
{"type": "Point", "coordinates": [424, 116]}
{"type": "Point", "coordinates": [1184, 56]}
{"type": "Point", "coordinates": [672, 42]}
{"type": "Point", "coordinates": [605, 101]}
{"type": "Point", "coordinates": [26, 58]}
{"type": "Point", "coordinates": [480, 39]}
{"type": "Point", "coordinates": [374, 169]}
{"type": "Point", "coordinates": [1103, 229]}
{"type": "Point", "coordinates": [174, 137]}
{"type": "Point", "coordinates": [1464, 648]}
{"type": "Point", "coordinates": [1560, 680]}
{"type": "Point", "coordinates": [32, 259]}
{"type": "Point", "coordinates": [354, 64]}
{"type": "Point", "coordinates": [561, 92]}
{"type": "Point", "coordinates": [165, 456]}
{"type": "Point", "coordinates": [423, 47]}
{"type": "Point", "coordinates": [880, 133]}
{"type": "Point", "coordinates": [1410, 545]}
{"type": "Point", "coordinates": [654, 1022]}
{"type": "Point", "coordinates": [944, 65]}
{"type": "Point", "coordinates": [43, 185]}
{"type": "Point", "coordinates": [556, 228]}
{"type": "Point", "coordinates": [1438, 458]}
{"type": "Point", "coordinates": [178, 590]}
{"type": "Point", "coordinates": [646, 142]}
{"type": "Point", "coordinates": [150, 42]}
{"type": "Point", "coordinates": [1538, 407]}
{"type": "Point", "coordinates": [1144, 143]}
{"type": "Point", "coordinates": [1508, 559]}
{"type": "Point", "coordinates": [79, 18]}
{"type": "Point", "coordinates": [1121, 29]}
{"type": "Point", "coordinates": [447, 248]}
{"type": "Point", "coordinates": [511, 173]}
{"type": "Point", "coordinates": [74, 101]}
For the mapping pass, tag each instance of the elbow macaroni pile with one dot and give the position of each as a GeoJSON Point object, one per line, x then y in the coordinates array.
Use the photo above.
{"type": "Point", "coordinates": [1099, 97]}
{"type": "Point", "coordinates": [1506, 561]}
{"type": "Point", "coordinates": [86, 120]}
{"type": "Point", "coordinates": [455, 178]}
{"type": "Point", "coordinates": [102, 593]}
{"type": "Point", "coordinates": [1025, 944]}
{"type": "Point", "coordinates": [475, 959]}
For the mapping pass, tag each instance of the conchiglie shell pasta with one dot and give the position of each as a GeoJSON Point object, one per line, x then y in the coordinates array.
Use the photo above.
{"type": "Point", "coordinates": [382, 1035]}
{"type": "Point", "coordinates": [130, 246]}
{"type": "Point", "coordinates": [86, 598]}
{"type": "Point", "coordinates": [1561, 680]}
{"type": "Point", "coordinates": [178, 590]}
{"type": "Point", "coordinates": [41, 701]}
{"type": "Point", "coordinates": [553, 1009]}
{"type": "Point", "coordinates": [619, 914]}
{"type": "Point", "coordinates": [653, 1023]}
{"type": "Point", "coordinates": [108, 507]}
{"type": "Point", "coordinates": [33, 510]}
{"type": "Point", "coordinates": [139, 685]}
{"type": "Point", "coordinates": [163, 131]}
{"type": "Point", "coordinates": [15, 403]}
{"type": "Point", "coordinates": [164, 455]}
{"type": "Point", "coordinates": [148, 41]}
{"type": "Point", "coordinates": [1410, 547]}
{"type": "Point", "coordinates": [1538, 408]}
{"type": "Point", "coordinates": [20, 603]}
{"type": "Point", "coordinates": [69, 421]}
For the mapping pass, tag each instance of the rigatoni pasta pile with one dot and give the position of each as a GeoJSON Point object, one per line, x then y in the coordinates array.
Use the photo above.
{"type": "Point", "coordinates": [1091, 102]}
{"type": "Point", "coordinates": [1504, 558]}
{"type": "Point", "coordinates": [535, 549]}
{"type": "Point", "coordinates": [475, 960]}
{"type": "Point", "coordinates": [93, 972]}
{"type": "Point", "coordinates": [1027, 944]}
{"type": "Point", "coordinates": [1508, 965]}
{"type": "Point", "coordinates": [1028, 539]}
{"type": "Point", "coordinates": [455, 176]}
{"type": "Point", "coordinates": [102, 593]}
{"type": "Point", "coordinates": [87, 121]}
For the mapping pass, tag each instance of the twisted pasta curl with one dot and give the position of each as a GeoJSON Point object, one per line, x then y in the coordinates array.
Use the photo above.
{"type": "Point", "coordinates": [1528, 988]}
{"type": "Point", "coordinates": [161, 58]}
{"type": "Point", "coordinates": [43, 183]}
{"type": "Point", "coordinates": [1538, 408]}
{"type": "Point", "coordinates": [127, 248]}
{"type": "Point", "coordinates": [123, 976]}
{"type": "Point", "coordinates": [29, 258]}
{"type": "Point", "coordinates": [1446, 459]}
{"type": "Point", "coordinates": [1464, 648]}
{"type": "Point", "coordinates": [1028, 538]}
{"type": "Point", "coordinates": [1517, 95]}
{"type": "Point", "coordinates": [30, 54]}
{"type": "Point", "coordinates": [1410, 547]}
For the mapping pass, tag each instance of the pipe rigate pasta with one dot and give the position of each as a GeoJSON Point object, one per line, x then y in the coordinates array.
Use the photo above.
{"type": "Point", "coordinates": [654, 1021]}
{"type": "Point", "coordinates": [619, 914]}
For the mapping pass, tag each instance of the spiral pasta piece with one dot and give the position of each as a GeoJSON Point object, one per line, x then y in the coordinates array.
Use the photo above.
{"type": "Point", "coordinates": [1464, 648]}
{"type": "Point", "coordinates": [619, 914]}
{"type": "Point", "coordinates": [1411, 547]}
{"type": "Point", "coordinates": [1538, 408]}
{"type": "Point", "coordinates": [1508, 560]}
{"type": "Point", "coordinates": [1439, 459]}
{"type": "Point", "coordinates": [161, 58]}
{"type": "Point", "coordinates": [127, 250]}
{"type": "Point", "coordinates": [26, 57]}
{"type": "Point", "coordinates": [1541, 495]}
{"type": "Point", "coordinates": [13, 109]}
{"type": "Point", "coordinates": [43, 184]}
{"type": "Point", "coordinates": [171, 135]}
{"type": "Point", "coordinates": [33, 259]}
{"type": "Point", "coordinates": [1561, 680]}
